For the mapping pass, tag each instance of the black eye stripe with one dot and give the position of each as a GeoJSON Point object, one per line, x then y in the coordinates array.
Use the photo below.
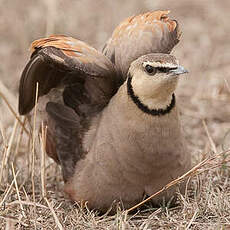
{"type": "Point", "coordinates": [165, 69]}
{"type": "Point", "coordinates": [152, 70]}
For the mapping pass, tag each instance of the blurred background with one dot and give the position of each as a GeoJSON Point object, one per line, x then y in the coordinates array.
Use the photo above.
{"type": "Point", "coordinates": [204, 94]}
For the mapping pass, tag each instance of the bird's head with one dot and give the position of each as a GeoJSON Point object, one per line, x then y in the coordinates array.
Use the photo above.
{"type": "Point", "coordinates": [153, 78]}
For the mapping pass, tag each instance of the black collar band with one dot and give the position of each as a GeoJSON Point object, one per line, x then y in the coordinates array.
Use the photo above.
{"type": "Point", "coordinates": [144, 108]}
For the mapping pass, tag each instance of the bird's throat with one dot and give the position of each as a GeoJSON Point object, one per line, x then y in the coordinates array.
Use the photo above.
{"type": "Point", "coordinates": [145, 108]}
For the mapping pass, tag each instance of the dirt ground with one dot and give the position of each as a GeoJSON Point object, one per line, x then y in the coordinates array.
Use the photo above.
{"type": "Point", "coordinates": [203, 95]}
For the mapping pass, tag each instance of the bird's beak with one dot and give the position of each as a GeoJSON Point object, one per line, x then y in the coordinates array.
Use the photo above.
{"type": "Point", "coordinates": [179, 70]}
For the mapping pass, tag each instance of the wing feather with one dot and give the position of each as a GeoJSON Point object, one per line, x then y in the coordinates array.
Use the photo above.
{"type": "Point", "coordinates": [152, 32]}
{"type": "Point", "coordinates": [59, 60]}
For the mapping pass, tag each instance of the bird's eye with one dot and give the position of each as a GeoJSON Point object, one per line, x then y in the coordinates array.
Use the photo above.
{"type": "Point", "coordinates": [149, 69]}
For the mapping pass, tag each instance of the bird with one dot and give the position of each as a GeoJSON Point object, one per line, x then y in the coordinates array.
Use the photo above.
{"type": "Point", "coordinates": [112, 119]}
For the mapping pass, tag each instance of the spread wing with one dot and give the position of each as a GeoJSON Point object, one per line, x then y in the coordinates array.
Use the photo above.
{"type": "Point", "coordinates": [84, 79]}
{"type": "Point", "coordinates": [152, 32]}
{"type": "Point", "coordinates": [88, 77]}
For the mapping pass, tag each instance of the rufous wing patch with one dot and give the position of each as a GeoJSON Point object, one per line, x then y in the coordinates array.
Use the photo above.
{"type": "Point", "coordinates": [135, 23]}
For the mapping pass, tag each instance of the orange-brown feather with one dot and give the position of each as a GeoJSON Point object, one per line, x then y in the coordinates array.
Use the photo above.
{"type": "Point", "coordinates": [68, 45]}
{"type": "Point", "coordinates": [135, 23]}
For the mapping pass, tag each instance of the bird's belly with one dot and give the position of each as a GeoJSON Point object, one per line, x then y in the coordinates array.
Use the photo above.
{"type": "Point", "coordinates": [150, 160]}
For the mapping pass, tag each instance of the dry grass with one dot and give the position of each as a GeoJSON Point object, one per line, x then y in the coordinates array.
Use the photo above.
{"type": "Point", "coordinates": [31, 184]}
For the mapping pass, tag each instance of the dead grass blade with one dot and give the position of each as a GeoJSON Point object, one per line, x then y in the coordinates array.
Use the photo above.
{"type": "Point", "coordinates": [11, 97]}
{"type": "Point", "coordinates": [19, 138]}
{"type": "Point", "coordinates": [6, 155]}
{"type": "Point", "coordinates": [227, 85]}
{"type": "Point", "coordinates": [9, 189]}
{"type": "Point", "coordinates": [33, 143]}
{"type": "Point", "coordinates": [205, 165]}
{"type": "Point", "coordinates": [2, 132]}
{"type": "Point", "coordinates": [18, 194]}
{"type": "Point", "coordinates": [14, 113]}
{"type": "Point", "coordinates": [28, 203]}
{"type": "Point", "coordinates": [193, 219]}
{"type": "Point", "coordinates": [43, 165]}
{"type": "Point", "coordinates": [59, 225]}
{"type": "Point", "coordinates": [213, 146]}
{"type": "Point", "coordinates": [13, 219]}
{"type": "Point", "coordinates": [51, 7]}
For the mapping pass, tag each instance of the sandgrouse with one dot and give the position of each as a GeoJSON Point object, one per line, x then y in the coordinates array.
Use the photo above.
{"type": "Point", "coordinates": [113, 124]}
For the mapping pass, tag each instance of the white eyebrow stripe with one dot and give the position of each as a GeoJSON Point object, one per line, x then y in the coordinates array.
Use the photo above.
{"type": "Point", "coordinates": [158, 64]}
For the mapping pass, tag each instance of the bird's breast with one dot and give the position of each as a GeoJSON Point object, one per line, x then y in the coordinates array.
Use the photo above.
{"type": "Point", "coordinates": [135, 144]}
